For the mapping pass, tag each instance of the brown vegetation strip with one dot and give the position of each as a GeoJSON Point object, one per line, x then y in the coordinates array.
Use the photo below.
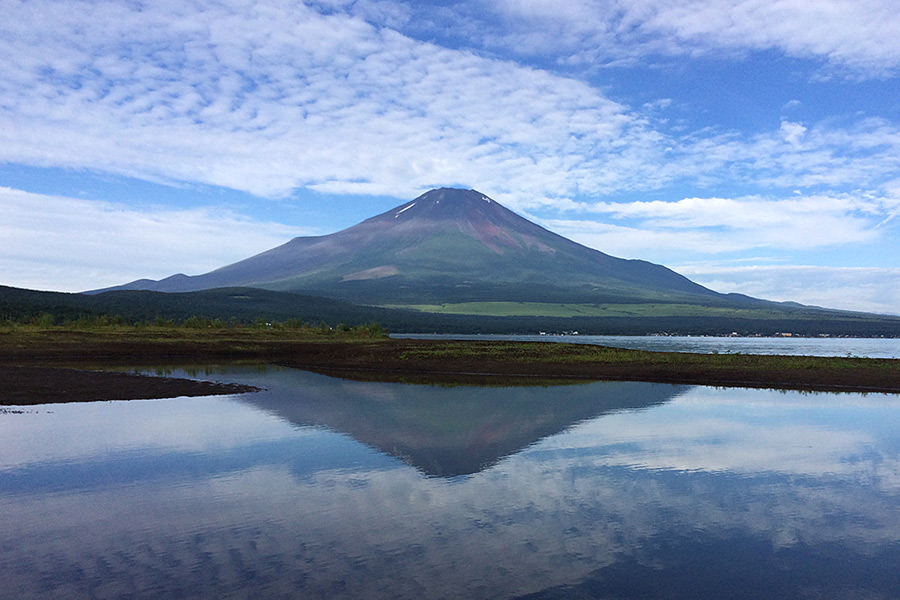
{"type": "Point", "coordinates": [542, 360]}
{"type": "Point", "coordinates": [434, 361]}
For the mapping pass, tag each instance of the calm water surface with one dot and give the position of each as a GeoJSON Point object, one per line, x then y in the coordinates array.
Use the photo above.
{"type": "Point", "coordinates": [861, 347]}
{"type": "Point", "coordinates": [325, 488]}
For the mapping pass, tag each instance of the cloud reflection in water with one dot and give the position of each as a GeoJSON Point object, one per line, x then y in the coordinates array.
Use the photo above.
{"type": "Point", "coordinates": [612, 489]}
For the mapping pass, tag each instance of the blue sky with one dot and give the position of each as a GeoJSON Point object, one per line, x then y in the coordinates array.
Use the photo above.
{"type": "Point", "coordinates": [752, 145]}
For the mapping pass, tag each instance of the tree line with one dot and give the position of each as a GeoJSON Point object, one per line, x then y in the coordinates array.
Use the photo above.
{"type": "Point", "coordinates": [48, 320]}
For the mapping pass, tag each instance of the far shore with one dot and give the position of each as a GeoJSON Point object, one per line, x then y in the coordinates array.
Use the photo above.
{"type": "Point", "coordinates": [66, 365]}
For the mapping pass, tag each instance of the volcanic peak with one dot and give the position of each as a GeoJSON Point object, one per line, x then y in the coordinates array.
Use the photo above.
{"type": "Point", "coordinates": [443, 204]}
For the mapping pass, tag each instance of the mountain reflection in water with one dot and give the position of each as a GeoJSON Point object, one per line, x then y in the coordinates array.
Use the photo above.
{"type": "Point", "coordinates": [324, 488]}
{"type": "Point", "coordinates": [447, 431]}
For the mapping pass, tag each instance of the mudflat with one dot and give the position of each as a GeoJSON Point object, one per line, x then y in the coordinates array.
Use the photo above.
{"type": "Point", "coordinates": [29, 385]}
{"type": "Point", "coordinates": [59, 365]}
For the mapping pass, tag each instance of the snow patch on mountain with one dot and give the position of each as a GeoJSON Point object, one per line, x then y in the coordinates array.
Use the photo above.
{"type": "Point", "coordinates": [403, 210]}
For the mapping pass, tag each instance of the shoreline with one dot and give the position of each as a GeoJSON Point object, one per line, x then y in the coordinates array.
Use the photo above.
{"type": "Point", "coordinates": [60, 361]}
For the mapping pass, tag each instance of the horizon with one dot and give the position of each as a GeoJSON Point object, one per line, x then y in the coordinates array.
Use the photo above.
{"type": "Point", "coordinates": [753, 150]}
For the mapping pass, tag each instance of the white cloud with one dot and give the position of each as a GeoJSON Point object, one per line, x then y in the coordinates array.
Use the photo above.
{"type": "Point", "coordinates": [331, 102]}
{"type": "Point", "coordinates": [824, 154]}
{"type": "Point", "coordinates": [857, 37]}
{"type": "Point", "coordinates": [67, 244]}
{"type": "Point", "coordinates": [717, 225]}
{"type": "Point", "coordinates": [869, 289]}
{"type": "Point", "coordinates": [640, 242]}
{"type": "Point", "coordinates": [792, 132]}
{"type": "Point", "coordinates": [327, 102]}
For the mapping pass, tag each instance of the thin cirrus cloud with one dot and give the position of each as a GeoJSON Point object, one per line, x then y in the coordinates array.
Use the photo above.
{"type": "Point", "coordinates": [855, 37]}
{"type": "Point", "coordinates": [717, 225]}
{"type": "Point", "coordinates": [819, 156]}
{"type": "Point", "coordinates": [47, 237]}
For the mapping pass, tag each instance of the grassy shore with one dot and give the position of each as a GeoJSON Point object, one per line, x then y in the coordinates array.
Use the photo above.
{"type": "Point", "coordinates": [362, 355]}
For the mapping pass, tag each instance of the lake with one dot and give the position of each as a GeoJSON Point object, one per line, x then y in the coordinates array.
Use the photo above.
{"type": "Point", "coordinates": [327, 488]}
{"type": "Point", "coordinates": [794, 346]}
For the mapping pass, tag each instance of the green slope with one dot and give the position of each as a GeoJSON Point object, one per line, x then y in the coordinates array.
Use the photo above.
{"type": "Point", "coordinates": [649, 309]}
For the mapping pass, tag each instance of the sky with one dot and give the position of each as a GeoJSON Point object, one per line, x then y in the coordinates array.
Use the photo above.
{"type": "Point", "coordinates": [751, 145]}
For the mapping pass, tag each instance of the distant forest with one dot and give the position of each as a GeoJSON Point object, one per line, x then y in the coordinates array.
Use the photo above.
{"type": "Point", "coordinates": [246, 306]}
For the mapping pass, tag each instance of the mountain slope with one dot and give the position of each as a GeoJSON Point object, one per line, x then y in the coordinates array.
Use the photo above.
{"type": "Point", "coordinates": [447, 245]}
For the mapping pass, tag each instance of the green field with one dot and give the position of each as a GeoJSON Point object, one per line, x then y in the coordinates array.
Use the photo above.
{"type": "Point", "coordinates": [542, 309]}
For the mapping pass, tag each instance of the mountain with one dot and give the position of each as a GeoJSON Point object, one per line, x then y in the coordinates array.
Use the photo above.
{"type": "Point", "coordinates": [453, 261]}
{"type": "Point", "coordinates": [448, 246]}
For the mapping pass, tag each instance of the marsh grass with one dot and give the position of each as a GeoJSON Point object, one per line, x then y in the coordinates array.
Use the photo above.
{"type": "Point", "coordinates": [368, 353]}
{"type": "Point", "coordinates": [591, 354]}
